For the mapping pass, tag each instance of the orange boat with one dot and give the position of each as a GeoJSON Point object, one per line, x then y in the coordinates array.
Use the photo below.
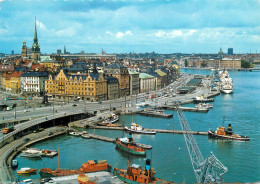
{"type": "Point", "coordinates": [90, 166]}
{"type": "Point", "coordinates": [26, 170]}
{"type": "Point", "coordinates": [135, 174]}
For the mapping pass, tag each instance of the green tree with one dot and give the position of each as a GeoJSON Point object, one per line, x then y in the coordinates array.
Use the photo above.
{"type": "Point", "coordinates": [245, 64]}
{"type": "Point", "coordinates": [186, 63]}
{"type": "Point", "coordinates": [203, 65]}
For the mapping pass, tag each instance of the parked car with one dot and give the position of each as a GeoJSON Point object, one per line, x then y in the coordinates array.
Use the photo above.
{"type": "Point", "coordinates": [74, 105]}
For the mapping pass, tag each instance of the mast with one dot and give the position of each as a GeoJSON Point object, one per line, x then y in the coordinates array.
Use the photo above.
{"type": "Point", "coordinates": [58, 159]}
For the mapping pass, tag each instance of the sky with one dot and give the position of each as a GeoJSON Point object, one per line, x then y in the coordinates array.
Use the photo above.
{"type": "Point", "coordinates": [123, 26]}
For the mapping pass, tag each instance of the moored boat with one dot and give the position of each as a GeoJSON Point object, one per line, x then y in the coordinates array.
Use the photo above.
{"type": "Point", "coordinates": [14, 164]}
{"type": "Point", "coordinates": [135, 174]}
{"type": "Point", "coordinates": [90, 166]}
{"type": "Point", "coordinates": [26, 170]}
{"type": "Point", "coordinates": [126, 144]}
{"type": "Point", "coordinates": [200, 99]}
{"type": "Point", "coordinates": [222, 133]}
{"type": "Point", "coordinates": [74, 133]}
{"type": "Point", "coordinates": [135, 128]}
{"type": "Point", "coordinates": [31, 155]}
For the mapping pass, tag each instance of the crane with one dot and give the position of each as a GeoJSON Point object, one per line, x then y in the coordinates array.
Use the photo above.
{"type": "Point", "coordinates": [209, 170]}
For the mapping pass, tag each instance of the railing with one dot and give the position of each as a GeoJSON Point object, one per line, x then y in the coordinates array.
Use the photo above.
{"type": "Point", "coordinates": [31, 123]}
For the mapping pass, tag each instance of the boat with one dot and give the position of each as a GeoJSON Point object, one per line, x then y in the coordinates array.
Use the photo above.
{"type": "Point", "coordinates": [204, 105]}
{"type": "Point", "coordinates": [90, 166]}
{"type": "Point", "coordinates": [26, 170]}
{"type": "Point", "coordinates": [127, 144]}
{"type": "Point", "coordinates": [135, 174]}
{"type": "Point", "coordinates": [200, 99]}
{"type": "Point", "coordinates": [31, 155]}
{"type": "Point", "coordinates": [135, 128]}
{"type": "Point", "coordinates": [74, 133]}
{"type": "Point", "coordinates": [223, 133]}
{"type": "Point", "coordinates": [49, 153]}
{"type": "Point", "coordinates": [14, 164]}
{"type": "Point", "coordinates": [110, 120]}
{"type": "Point", "coordinates": [226, 83]}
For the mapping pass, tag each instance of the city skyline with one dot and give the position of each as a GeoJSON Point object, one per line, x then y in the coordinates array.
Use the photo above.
{"type": "Point", "coordinates": [131, 26]}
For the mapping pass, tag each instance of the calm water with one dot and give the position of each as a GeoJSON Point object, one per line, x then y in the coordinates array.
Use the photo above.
{"type": "Point", "coordinates": [169, 154]}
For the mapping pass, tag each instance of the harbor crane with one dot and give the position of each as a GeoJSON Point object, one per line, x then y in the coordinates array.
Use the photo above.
{"type": "Point", "coordinates": [209, 170]}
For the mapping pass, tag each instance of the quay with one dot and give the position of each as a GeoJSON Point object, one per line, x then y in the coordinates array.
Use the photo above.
{"type": "Point", "coordinates": [154, 113]}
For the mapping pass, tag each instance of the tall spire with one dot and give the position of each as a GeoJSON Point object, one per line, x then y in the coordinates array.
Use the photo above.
{"type": "Point", "coordinates": [35, 33]}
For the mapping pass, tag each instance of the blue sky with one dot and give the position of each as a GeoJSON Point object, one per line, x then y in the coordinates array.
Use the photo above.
{"type": "Point", "coordinates": [122, 26]}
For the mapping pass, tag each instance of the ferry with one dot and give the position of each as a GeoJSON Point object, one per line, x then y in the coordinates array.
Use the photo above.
{"type": "Point", "coordinates": [135, 128]}
{"type": "Point", "coordinates": [135, 174]}
{"type": "Point", "coordinates": [26, 170]}
{"type": "Point", "coordinates": [222, 133]}
{"type": "Point", "coordinates": [90, 166]}
{"type": "Point", "coordinates": [128, 145]}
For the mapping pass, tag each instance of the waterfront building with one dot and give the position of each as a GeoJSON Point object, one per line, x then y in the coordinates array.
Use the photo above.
{"type": "Point", "coordinates": [121, 73]}
{"type": "Point", "coordinates": [229, 63]}
{"type": "Point", "coordinates": [12, 82]}
{"type": "Point", "coordinates": [147, 83]}
{"type": "Point", "coordinates": [163, 77]}
{"type": "Point", "coordinates": [35, 47]}
{"type": "Point", "coordinates": [133, 82]}
{"type": "Point", "coordinates": [24, 50]}
{"type": "Point", "coordinates": [33, 83]}
{"type": "Point", "coordinates": [230, 51]}
{"type": "Point", "coordinates": [91, 86]}
{"type": "Point", "coordinates": [112, 88]}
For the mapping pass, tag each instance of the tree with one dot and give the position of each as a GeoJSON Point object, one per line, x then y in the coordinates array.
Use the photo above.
{"type": "Point", "coordinates": [245, 64]}
{"type": "Point", "coordinates": [203, 65]}
{"type": "Point", "coordinates": [186, 63]}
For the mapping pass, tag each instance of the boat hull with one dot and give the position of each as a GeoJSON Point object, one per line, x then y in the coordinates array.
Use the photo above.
{"type": "Point", "coordinates": [212, 134]}
{"type": "Point", "coordinates": [227, 91]}
{"type": "Point", "coordinates": [125, 149]}
{"type": "Point", "coordinates": [140, 131]}
{"type": "Point", "coordinates": [125, 179]}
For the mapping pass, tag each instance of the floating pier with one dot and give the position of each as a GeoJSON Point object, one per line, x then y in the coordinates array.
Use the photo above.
{"type": "Point", "coordinates": [157, 130]}
{"type": "Point", "coordinates": [189, 109]}
{"type": "Point", "coordinates": [154, 113]}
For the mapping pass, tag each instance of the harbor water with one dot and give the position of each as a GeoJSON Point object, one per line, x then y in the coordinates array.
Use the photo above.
{"type": "Point", "coordinates": [169, 155]}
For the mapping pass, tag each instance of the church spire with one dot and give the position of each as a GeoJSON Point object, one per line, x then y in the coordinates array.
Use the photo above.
{"type": "Point", "coordinates": [35, 33]}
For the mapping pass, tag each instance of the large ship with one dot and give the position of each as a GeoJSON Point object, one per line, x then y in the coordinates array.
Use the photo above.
{"type": "Point", "coordinates": [90, 166]}
{"type": "Point", "coordinates": [135, 174]}
{"type": "Point", "coordinates": [222, 133]}
{"type": "Point", "coordinates": [128, 145]}
{"type": "Point", "coordinates": [226, 83]}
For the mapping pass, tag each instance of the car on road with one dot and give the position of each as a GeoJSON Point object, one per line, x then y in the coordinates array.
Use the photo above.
{"type": "Point", "coordinates": [26, 110]}
{"type": "Point", "coordinates": [99, 102]}
{"type": "Point", "coordinates": [74, 105]}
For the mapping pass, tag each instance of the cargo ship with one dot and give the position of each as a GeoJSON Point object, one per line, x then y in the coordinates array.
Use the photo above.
{"type": "Point", "coordinates": [222, 133]}
{"type": "Point", "coordinates": [135, 174]}
{"type": "Point", "coordinates": [127, 144]}
{"type": "Point", "coordinates": [90, 166]}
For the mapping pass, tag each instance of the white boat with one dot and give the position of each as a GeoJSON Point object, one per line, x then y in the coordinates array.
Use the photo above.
{"type": "Point", "coordinates": [31, 155]}
{"type": "Point", "coordinates": [135, 128]}
{"type": "Point", "coordinates": [204, 105]}
{"type": "Point", "coordinates": [32, 150]}
{"type": "Point", "coordinates": [74, 133]}
{"type": "Point", "coordinates": [226, 83]}
{"type": "Point", "coordinates": [110, 120]}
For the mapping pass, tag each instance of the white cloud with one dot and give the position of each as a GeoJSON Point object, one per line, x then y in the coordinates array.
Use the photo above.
{"type": "Point", "coordinates": [41, 25]}
{"type": "Point", "coordinates": [120, 34]}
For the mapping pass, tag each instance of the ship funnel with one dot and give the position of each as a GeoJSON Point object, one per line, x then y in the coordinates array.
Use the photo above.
{"type": "Point", "coordinates": [148, 164]}
{"type": "Point", "coordinates": [130, 137]}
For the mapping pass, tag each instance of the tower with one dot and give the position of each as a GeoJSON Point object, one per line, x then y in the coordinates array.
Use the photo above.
{"type": "Point", "coordinates": [65, 52]}
{"type": "Point", "coordinates": [24, 50]}
{"type": "Point", "coordinates": [36, 53]}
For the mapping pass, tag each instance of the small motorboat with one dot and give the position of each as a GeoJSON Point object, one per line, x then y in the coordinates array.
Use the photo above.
{"type": "Point", "coordinates": [74, 133]}
{"type": "Point", "coordinates": [26, 170]}
{"type": "Point", "coordinates": [31, 155]}
{"type": "Point", "coordinates": [135, 128]}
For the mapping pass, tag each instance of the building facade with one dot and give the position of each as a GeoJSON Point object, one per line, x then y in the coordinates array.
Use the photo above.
{"type": "Point", "coordinates": [12, 82]}
{"type": "Point", "coordinates": [33, 83]}
{"type": "Point", "coordinates": [112, 88]}
{"type": "Point", "coordinates": [133, 82]}
{"type": "Point", "coordinates": [121, 73]}
{"type": "Point", "coordinates": [147, 83]}
{"type": "Point", "coordinates": [91, 86]}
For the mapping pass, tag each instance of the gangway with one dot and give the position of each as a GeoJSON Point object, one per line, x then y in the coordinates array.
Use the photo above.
{"type": "Point", "coordinates": [209, 170]}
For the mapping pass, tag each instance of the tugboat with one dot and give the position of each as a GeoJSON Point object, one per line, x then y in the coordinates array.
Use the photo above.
{"type": "Point", "coordinates": [222, 133]}
{"type": "Point", "coordinates": [135, 174]}
{"type": "Point", "coordinates": [90, 166]}
{"type": "Point", "coordinates": [128, 145]}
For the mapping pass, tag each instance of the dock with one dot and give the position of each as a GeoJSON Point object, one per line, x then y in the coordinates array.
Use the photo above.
{"type": "Point", "coordinates": [155, 114]}
{"type": "Point", "coordinates": [157, 130]}
{"type": "Point", "coordinates": [189, 109]}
